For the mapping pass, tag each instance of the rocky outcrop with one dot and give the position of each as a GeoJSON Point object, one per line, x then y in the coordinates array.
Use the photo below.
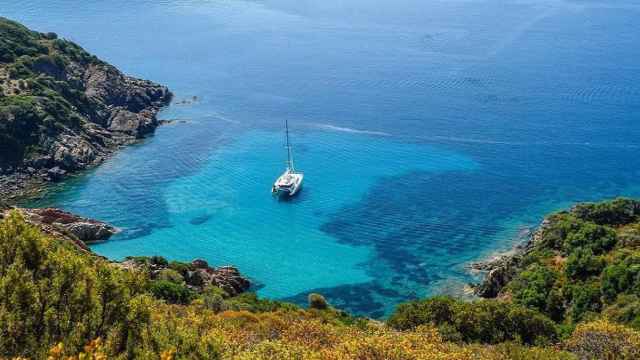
{"type": "Point", "coordinates": [67, 226]}
{"type": "Point", "coordinates": [498, 273]}
{"type": "Point", "coordinates": [81, 231]}
{"type": "Point", "coordinates": [500, 270]}
{"type": "Point", "coordinates": [228, 278]}
{"type": "Point", "coordinates": [87, 230]}
{"type": "Point", "coordinates": [196, 275]}
{"type": "Point", "coordinates": [64, 110]}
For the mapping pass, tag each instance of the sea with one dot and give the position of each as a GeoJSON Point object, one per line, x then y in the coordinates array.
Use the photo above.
{"type": "Point", "coordinates": [431, 133]}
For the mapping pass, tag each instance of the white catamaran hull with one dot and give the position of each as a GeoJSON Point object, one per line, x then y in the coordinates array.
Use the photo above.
{"type": "Point", "coordinates": [288, 184]}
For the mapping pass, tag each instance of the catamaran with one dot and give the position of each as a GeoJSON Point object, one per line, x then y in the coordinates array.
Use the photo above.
{"type": "Point", "coordinates": [290, 182]}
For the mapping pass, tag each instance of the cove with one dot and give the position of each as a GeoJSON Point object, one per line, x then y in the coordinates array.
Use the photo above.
{"type": "Point", "coordinates": [224, 212]}
{"type": "Point", "coordinates": [456, 133]}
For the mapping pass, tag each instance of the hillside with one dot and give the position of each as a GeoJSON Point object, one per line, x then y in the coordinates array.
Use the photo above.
{"type": "Point", "coordinates": [579, 265]}
{"type": "Point", "coordinates": [57, 299]}
{"type": "Point", "coordinates": [62, 109]}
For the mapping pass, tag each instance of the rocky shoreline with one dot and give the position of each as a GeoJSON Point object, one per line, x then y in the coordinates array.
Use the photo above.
{"type": "Point", "coordinates": [82, 149]}
{"type": "Point", "coordinates": [80, 231]}
{"type": "Point", "coordinates": [63, 110]}
{"type": "Point", "coordinates": [500, 269]}
{"type": "Point", "coordinates": [66, 226]}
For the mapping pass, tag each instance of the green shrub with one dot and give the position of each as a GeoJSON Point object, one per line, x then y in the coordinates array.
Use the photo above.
{"type": "Point", "coordinates": [50, 35]}
{"type": "Point", "coordinates": [180, 267]}
{"type": "Point", "coordinates": [617, 212]}
{"type": "Point", "coordinates": [171, 292]}
{"type": "Point", "coordinates": [214, 298]}
{"type": "Point", "coordinates": [158, 260]}
{"type": "Point", "coordinates": [170, 275]}
{"type": "Point", "coordinates": [582, 264]}
{"type": "Point", "coordinates": [532, 287]}
{"type": "Point", "coordinates": [317, 301]}
{"type": "Point", "coordinates": [560, 225]}
{"type": "Point", "coordinates": [436, 310]}
{"type": "Point", "coordinates": [50, 292]}
{"type": "Point", "coordinates": [622, 276]}
{"type": "Point", "coordinates": [598, 238]}
{"type": "Point", "coordinates": [585, 302]}
{"type": "Point", "coordinates": [625, 310]}
{"type": "Point", "coordinates": [485, 321]}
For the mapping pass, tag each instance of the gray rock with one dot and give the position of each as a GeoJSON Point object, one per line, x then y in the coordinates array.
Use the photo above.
{"type": "Point", "coordinates": [200, 264]}
{"type": "Point", "coordinates": [40, 162]}
{"type": "Point", "coordinates": [501, 270]}
{"type": "Point", "coordinates": [90, 231]}
{"type": "Point", "coordinates": [56, 174]}
{"type": "Point", "coordinates": [84, 229]}
{"type": "Point", "coordinates": [229, 279]}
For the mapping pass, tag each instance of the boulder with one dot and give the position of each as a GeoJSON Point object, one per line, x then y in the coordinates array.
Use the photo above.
{"type": "Point", "coordinates": [200, 264]}
{"type": "Point", "coordinates": [90, 231]}
{"type": "Point", "coordinates": [56, 174]}
{"type": "Point", "coordinates": [84, 229]}
{"type": "Point", "coordinates": [229, 279]}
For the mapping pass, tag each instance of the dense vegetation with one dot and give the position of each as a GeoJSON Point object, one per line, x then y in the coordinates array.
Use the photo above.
{"type": "Point", "coordinates": [36, 95]}
{"type": "Point", "coordinates": [586, 264]}
{"type": "Point", "coordinates": [583, 265]}
{"type": "Point", "coordinates": [485, 321]}
{"type": "Point", "coordinates": [576, 296]}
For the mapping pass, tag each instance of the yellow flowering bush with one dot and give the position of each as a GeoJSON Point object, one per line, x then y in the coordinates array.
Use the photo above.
{"type": "Point", "coordinates": [604, 340]}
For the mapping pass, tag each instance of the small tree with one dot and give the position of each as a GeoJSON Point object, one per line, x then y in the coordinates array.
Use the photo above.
{"type": "Point", "coordinates": [317, 301]}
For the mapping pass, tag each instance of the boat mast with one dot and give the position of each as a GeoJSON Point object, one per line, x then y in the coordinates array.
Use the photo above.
{"type": "Point", "coordinates": [289, 157]}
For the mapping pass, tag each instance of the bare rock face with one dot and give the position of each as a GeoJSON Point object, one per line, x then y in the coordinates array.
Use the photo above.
{"type": "Point", "coordinates": [229, 279]}
{"type": "Point", "coordinates": [124, 104]}
{"type": "Point", "coordinates": [89, 231]}
{"type": "Point", "coordinates": [498, 273]}
{"type": "Point", "coordinates": [55, 173]}
{"type": "Point", "coordinates": [86, 230]}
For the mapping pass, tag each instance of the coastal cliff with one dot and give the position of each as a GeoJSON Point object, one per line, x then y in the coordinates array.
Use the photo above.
{"type": "Point", "coordinates": [63, 110]}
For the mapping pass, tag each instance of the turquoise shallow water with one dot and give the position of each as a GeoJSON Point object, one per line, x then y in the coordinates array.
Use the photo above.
{"type": "Point", "coordinates": [430, 134]}
{"type": "Point", "coordinates": [224, 211]}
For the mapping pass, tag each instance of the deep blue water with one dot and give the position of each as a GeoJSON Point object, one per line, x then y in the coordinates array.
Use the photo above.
{"type": "Point", "coordinates": [431, 132]}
